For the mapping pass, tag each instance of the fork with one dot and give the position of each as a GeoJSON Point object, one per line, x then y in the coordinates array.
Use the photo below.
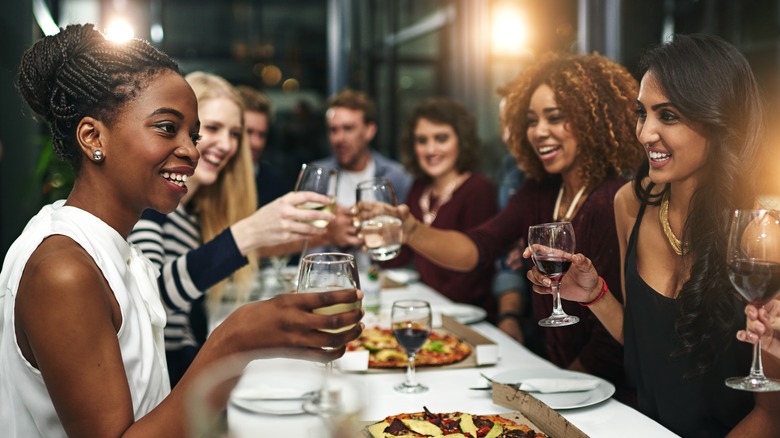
{"type": "Point", "coordinates": [483, 388]}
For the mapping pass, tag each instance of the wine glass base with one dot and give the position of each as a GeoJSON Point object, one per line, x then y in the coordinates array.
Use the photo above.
{"type": "Point", "coordinates": [753, 384]}
{"type": "Point", "coordinates": [410, 389]}
{"type": "Point", "coordinates": [559, 321]}
{"type": "Point", "coordinates": [317, 405]}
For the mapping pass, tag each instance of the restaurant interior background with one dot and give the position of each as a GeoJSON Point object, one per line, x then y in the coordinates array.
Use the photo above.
{"type": "Point", "coordinates": [399, 51]}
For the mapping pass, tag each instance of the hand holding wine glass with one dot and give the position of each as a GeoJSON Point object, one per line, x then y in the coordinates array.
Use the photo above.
{"type": "Point", "coordinates": [411, 323]}
{"type": "Point", "coordinates": [322, 180]}
{"type": "Point", "coordinates": [381, 230]}
{"type": "Point", "coordinates": [324, 272]}
{"type": "Point", "coordinates": [551, 246]}
{"type": "Point", "coordinates": [753, 259]}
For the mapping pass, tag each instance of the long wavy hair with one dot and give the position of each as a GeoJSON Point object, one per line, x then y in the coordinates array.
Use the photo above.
{"type": "Point", "coordinates": [711, 83]}
{"type": "Point", "coordinates": [447, 112]}
{"type": "Point", "coordinates": [597, 96]}
{"type": "Point", "coordinates": [233, 195]}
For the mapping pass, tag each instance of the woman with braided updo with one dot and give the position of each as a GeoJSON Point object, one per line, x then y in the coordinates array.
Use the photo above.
{"type": "Point", "coordinates": [81, 341]}
{"type": "Point", "coordinates": [569, 121]}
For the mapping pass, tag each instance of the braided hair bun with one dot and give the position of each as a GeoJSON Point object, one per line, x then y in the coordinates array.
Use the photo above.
{"type": "Point", "coordinates": [78, 73]}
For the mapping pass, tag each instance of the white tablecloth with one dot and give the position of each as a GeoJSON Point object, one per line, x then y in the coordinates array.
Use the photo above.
{"type": "Point", "coordinates": [449, 388]}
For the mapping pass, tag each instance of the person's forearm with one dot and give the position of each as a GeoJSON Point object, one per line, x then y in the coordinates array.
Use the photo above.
{"type": "Point", "coordinates": [610, 312]}
{"type": "Point", "coordinates": [447, 248]}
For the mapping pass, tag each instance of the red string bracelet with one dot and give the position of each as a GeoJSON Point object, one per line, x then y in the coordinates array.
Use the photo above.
{"type": "Point", "coordinates": [601, 294]}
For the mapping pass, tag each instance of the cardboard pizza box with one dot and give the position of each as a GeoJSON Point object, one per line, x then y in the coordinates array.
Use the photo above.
{"type": "Point", "coordinates": [541, 415]}
{"type": "Point", "coordinates": [485, 351]}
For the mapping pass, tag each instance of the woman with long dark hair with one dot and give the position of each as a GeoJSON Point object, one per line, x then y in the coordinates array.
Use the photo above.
{"type": "Point", "coordinates": [701, 123]}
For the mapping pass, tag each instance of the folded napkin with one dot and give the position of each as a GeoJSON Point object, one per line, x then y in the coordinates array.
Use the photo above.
{"type": "Point", "coordinates": [558, 385]}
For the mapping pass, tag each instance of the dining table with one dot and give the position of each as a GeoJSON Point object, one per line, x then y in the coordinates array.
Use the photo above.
{"type": "Point", "coordinates": [451, 388]}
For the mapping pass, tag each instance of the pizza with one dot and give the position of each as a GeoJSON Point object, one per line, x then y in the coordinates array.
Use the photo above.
{"type": "Point", "coordinates": [441, 348]}
{"type": "Point", "coordinates": [451, 425]}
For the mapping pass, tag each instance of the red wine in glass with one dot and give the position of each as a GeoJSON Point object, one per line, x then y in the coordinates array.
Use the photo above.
{"type": "Point", "coordinates": [551, 266]}
{"type": "Point", "coordinates": [411, 321]}
{"type": "Point", "coordinates": [757, 281]}
{"type": "Point", "coordinates": [753, 260]}
{"type": "Point", "coordinates": [410, 338]}
{"type": "Point", "coordinates": [551, 247]}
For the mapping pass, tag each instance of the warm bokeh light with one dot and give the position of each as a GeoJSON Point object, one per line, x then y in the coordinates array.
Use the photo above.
{"type": "Point", "coordinates": [291, 85]}
{"type": "Point", "coordinates": [510, 30]}
{"type": "Point", "coordinates": [119, 31]}
{"type": "Point", "coordinates": [271, 75]}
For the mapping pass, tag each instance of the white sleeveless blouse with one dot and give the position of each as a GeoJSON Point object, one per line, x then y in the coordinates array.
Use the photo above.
{"type": "Point", "coordinates": [25, 407]}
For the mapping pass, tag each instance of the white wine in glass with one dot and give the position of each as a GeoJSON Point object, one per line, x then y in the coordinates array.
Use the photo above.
{"type": "Point", "coordinates": [753, 259]}
{"type": "Point", "coordinates": [382, 232]}
{"type": "Point", "coordinates": [322, 180]}
{"type": "Point", "coordinates": [326, 272]}
{"type": "Point", "coordinates": [551, 247]}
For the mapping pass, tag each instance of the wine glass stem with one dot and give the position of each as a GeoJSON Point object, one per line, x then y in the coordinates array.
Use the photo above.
{"type": "Point", "coordinates": [410, 380]}
{"type": "Point", "coordinates": [557, 308]}
{"type": "Point", "coordinates": [757, 369]}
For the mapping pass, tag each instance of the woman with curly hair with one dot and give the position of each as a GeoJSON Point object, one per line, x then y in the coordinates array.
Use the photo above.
{"type": "Point", "coordinates": [440, 149]}
{"type": "Point", "coordinates": [569, 119]}
{"type": "Point", "coordinates": [701, 123]}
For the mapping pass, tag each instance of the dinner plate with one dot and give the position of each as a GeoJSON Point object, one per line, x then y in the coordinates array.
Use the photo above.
{"type": "Point", "coordinates": [275, 387]}
{"type": "Point", "coordinates": [561, 400]}
{"type": "Point", "coordinates": [402, 276]}
{"type": "Point", "coordinates": [463, 313]}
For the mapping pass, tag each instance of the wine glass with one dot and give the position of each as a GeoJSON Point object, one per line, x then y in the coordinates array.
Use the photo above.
{"type": "Point", "coordinates": [325, 272]}
{"type": "Point", "coordinates": [753, 258]}
{"type": "Point", "coordinates": [321, 180]}
{"type": "Point", "coordinates": [381, 230]}
{"type": "Point", "coordinates": [411, 323]}
{"type": "Point", "coordinates": [551, 247]}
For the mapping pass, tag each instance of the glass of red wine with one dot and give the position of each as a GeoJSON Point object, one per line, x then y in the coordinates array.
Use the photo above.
{"type": "Point", "coordinates": [552, 245]}
{"type": "Point", "coordinates": [411, 324]}
{"type": "Point", "coordinates": [753, 259]}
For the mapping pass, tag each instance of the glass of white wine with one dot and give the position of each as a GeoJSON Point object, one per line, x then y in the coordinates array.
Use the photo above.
{"type": "Point", "coordinates": [326, 272]}
{"type": "Point", "coordinates": [381, 229]}
{"type": "Point", "coordinates": [322, 180]}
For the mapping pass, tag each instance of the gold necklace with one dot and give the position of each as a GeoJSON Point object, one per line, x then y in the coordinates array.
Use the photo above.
{"type": "Point", "coordinates": [679, 248]}
{"type": "Point", "coordinates": [572, 206]}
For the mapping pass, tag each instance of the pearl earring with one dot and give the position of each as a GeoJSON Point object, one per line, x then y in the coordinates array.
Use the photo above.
{"type": "Point", "coordinates": [97, 155]}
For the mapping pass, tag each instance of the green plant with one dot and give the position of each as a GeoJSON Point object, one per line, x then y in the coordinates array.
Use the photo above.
{"type": "Point", "coordinates": [54, 176]}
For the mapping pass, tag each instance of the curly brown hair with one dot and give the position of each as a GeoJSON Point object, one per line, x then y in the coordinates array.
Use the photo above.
{"type": "Point", "coordinates": [447, 112]}
{"type": "Point", "coordinates": [597, 96]}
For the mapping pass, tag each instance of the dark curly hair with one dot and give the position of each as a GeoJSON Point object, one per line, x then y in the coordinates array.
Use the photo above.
{"type": "Point", "coordinates": [597, 97]}
{"type": "Point", "coordinates": [711, 83]}
{"type": "Point", "coordinates": [447, 112]}
{"type": "Point", "coordinates": [78, 73]}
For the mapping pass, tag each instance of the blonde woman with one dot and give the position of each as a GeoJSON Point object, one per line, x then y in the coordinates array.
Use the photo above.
{"type": "Point", "coordinates": [212, 235]}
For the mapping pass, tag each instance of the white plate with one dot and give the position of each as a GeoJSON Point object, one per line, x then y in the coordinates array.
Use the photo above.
{"type": "Point", "coordinates": [562, 400]}
{"type": "Point", "coordinates": [402, 275]}
{"type": "Point", "coordinates": [463, 313]}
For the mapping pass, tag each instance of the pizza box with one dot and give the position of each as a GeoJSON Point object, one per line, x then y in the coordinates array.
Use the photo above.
{"type": "Point", "coordinates": [547, 420]}
{"type": "Point", "coordinates": [485, 351]}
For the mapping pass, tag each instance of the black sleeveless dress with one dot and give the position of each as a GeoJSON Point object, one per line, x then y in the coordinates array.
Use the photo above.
{"type": "Point", "coordinates": [700, 406]}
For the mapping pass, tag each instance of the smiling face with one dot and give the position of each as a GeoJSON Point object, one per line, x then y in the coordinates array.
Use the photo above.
{"type": "Point", "coordinates": [676, 148]}
{"type": "Point", "coordinates": [220, 132]}
{"type": "Point", "coordinates": [436, 148]}
{"type": "Point", "coordinates": [349, 137]}
{"type": "Point", "coordinates": [549, 133]}
{"type": "Point", "coordinates": [150, 151]}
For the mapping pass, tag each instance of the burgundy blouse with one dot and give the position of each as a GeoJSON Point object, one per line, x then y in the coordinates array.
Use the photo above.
{"type": "Point", "coordinates": [474, 202]}
{"type": "Point", "coordinates": [596, 238]}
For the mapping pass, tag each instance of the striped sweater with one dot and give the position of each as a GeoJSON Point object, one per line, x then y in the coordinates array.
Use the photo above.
{"type": "Point", "coordinates": [188, 268]}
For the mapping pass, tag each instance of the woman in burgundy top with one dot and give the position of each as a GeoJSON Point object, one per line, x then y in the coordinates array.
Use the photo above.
{"type": "Point", "coordinates": [569, 120]}
{"type": "Point", "coordinates": [440, 148]}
